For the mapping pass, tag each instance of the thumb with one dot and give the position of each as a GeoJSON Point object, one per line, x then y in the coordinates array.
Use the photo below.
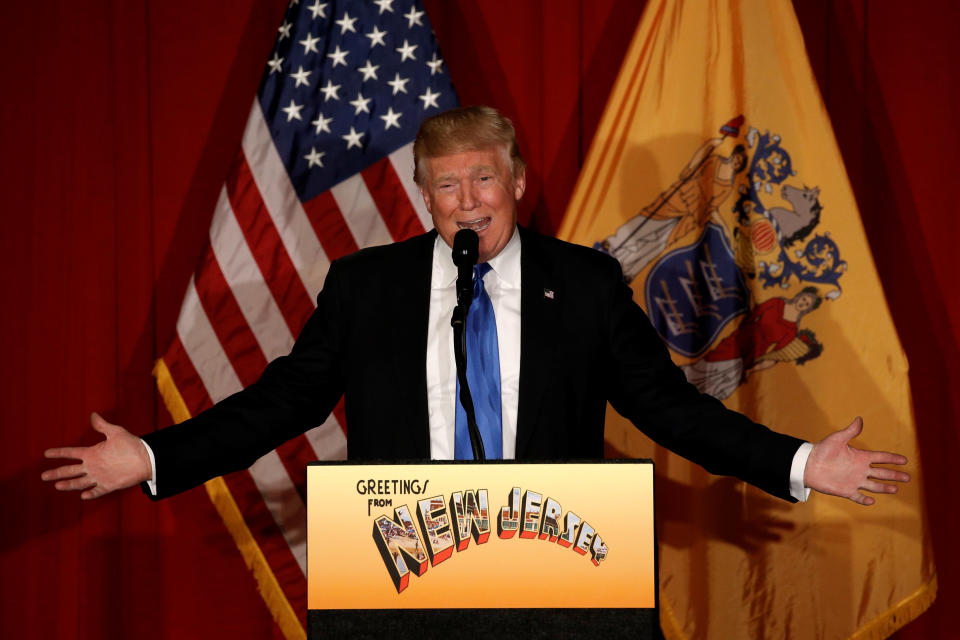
{"type": "Point", "coordinates": [99, 424]}
{"type": "Point", "coordinates": [853, 429]}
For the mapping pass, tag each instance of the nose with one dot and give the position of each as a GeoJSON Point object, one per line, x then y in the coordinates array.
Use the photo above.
{"type": "Point", "coordinates": [468, 197]}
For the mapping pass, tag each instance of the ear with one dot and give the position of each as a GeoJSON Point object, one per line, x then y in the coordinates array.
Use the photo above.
{"type": "Point", "coordinates": [520, 183]}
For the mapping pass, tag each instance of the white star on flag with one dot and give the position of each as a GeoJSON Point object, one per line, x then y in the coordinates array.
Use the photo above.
{"type": "Point", "coordinates": [353, 138]}
{"type": "Point", "coordinates": [346, 23]}
{"type": "Point", "coordinates": [310, 44]}
{"type": "Point", "coordinates": [435, 64]}
{"type": "Point", "coordinates": [391, 118]}
{"type": "Point", "coordinates": [385, 5]}
{"type": "Point", "coordinates": [330, 91]}
{"type": "Point", "coordinates": [285, 30]}
{"type": "Point", "coordinates": [314, 158]}
{"type": "Point", "coordinates": [376, 37]}
{"type": "Point", "coordinates": [369, 71]}
{"type": "Point", "coordinates": [429, 99]}
{"type": "Point", "coordinates": [318, 9]}
{"type": "Point", "coordinates": [406, 51]}
{"type": "Point", "coordinates": [360, 104]}
{"type": "Point", "coordinates": [322, 124]}
{"type": "Point", "coordinates": [293, 111]}
{"type": "Point", "coordinates": [399, 84]}
{"type": "Point", "coordinates": [274, 63]}
{"type": "Point", "coordinates": [338, 56]}
{"type": "Point", "coordinates": [414, 17]}
{"type": "Point", "coordinates": [301, 77]}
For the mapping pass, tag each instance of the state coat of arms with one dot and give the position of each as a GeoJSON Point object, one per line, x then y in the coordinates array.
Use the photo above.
{"type": "Point", "coordinates": [720, 248]}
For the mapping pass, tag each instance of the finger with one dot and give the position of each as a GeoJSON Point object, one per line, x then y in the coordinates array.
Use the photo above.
{"type": "Point", "coordinates": [885, 457]}
{"type": "Point", "coordinates": [881, 473]}
{"type": "Point", "coordinates": [68, 471]}
{"type": "Point", "coordinates": [859, 498]}
{"type": "Point", "coordinates": [93, 492]}
{"type": "Point", "coordinates": [75, 484]}
{"type": "Point", "coordinates": [879, 487]}
{"type": "Point", "coordinates": [75, 453]}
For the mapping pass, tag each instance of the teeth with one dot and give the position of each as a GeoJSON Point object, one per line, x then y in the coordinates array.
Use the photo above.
{"type": "Point", "coordinates": [476, 225]}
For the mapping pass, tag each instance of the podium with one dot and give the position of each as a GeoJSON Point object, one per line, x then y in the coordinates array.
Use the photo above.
{"type": "Point", "coordinates": [460, 549]}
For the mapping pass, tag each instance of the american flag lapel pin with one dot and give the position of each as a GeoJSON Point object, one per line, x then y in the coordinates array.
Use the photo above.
{"type": "Point", "coordinates": [548, 294]}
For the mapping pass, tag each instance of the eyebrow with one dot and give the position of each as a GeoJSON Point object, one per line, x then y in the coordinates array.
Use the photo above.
{"type": "Point", "coordinates": [477, 168]}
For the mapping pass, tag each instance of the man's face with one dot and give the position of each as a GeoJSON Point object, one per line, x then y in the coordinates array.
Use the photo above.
{"type": "Point", "coordinates": [474, 190]}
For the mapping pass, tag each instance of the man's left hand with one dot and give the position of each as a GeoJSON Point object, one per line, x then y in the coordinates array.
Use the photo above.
{"type": "Point", "coordinates": [837, 469]}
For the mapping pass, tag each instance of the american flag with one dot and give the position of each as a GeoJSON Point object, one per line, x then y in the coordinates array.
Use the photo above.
{"type": "Point", "coordinates": [325, 168]}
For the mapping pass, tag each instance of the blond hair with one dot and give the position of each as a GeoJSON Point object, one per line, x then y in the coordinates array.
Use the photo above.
{"type": "Point", "coordinates": [465, 129]}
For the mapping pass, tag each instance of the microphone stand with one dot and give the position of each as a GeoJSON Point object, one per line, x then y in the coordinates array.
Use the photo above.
{"type": "Point", "coordinates": [458, 321]}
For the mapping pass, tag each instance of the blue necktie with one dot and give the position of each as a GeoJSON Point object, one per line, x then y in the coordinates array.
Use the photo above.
{"type": "Point", "coordinates": [483, 374]}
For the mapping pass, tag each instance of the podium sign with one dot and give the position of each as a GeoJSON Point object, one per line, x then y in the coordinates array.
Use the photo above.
{"type": "Point", "coordinates": [394, 543]}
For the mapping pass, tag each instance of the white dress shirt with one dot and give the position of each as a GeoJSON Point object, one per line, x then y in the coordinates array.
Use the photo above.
{"type": "Point", "coordinates": [502, 283]}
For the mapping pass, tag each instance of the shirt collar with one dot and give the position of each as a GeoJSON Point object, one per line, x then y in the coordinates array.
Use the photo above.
{"type": "Point", "coordinates": [505, 264]}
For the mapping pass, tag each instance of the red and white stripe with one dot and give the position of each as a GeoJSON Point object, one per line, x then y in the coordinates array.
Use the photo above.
{"type": "Point", "coordinates": [253, 291]}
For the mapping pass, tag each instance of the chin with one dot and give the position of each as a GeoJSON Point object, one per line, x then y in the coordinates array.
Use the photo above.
{"type": "Point", "coordinates": [488, 249]}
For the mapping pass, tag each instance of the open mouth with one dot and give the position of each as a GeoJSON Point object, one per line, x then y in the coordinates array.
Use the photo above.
{"type": "Point", "coordinates": [477, 225]}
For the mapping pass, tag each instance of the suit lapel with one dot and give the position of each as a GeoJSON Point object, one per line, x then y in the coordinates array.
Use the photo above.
{"type": "Point", "coordinates": [408, 321]}
{"type": "Point", "coordinates": [541, 298]}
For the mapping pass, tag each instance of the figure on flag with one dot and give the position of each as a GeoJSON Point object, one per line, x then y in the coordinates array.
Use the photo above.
{"type": "Point", "coordinates": [770, 334]}
{"type": "Point", "coordinates": [687, 205]}
{"type": "Point", "coordinates": [798, 221]}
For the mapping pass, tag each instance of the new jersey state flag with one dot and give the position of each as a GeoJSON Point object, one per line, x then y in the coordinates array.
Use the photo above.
{"type": "Point", "coordinates": [715, 179]}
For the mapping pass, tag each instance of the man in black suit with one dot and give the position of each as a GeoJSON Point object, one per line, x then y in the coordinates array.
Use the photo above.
{"type": "Point", "coordinates": [381, 336]}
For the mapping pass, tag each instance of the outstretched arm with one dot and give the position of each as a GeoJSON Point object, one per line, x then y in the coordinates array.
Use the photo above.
{"type": "Point", "coordinates": [838, 469]}
{"type": "Point", "coordinates": [118, 462]}
{"type": "Point", "coordinates": [700, 155]}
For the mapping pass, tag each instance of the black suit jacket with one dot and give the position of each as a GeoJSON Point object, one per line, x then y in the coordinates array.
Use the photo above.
{"type": "Point", "coordinates": [583, 342]}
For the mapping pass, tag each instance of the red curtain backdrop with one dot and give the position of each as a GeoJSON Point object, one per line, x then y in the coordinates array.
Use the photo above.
{"type": "Point", "coordinates": [117, 126]}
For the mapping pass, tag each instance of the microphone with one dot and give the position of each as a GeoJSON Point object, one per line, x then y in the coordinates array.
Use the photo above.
{"type": "Point", "coordinates": [466, 251]}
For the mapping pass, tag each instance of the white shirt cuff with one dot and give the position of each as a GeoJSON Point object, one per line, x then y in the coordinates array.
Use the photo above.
{"type": "Point", "coordinates": [797, 488]}
{"type": "Point", "coordinates": [152, 482]}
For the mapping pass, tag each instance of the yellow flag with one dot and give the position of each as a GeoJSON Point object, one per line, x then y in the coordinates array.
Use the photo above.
{"type": "Point", "coordinates": [715, 179]}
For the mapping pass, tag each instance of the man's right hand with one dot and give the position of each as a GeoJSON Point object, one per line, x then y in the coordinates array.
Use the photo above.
{"type": "Point", "coordinates": [118, 462]}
